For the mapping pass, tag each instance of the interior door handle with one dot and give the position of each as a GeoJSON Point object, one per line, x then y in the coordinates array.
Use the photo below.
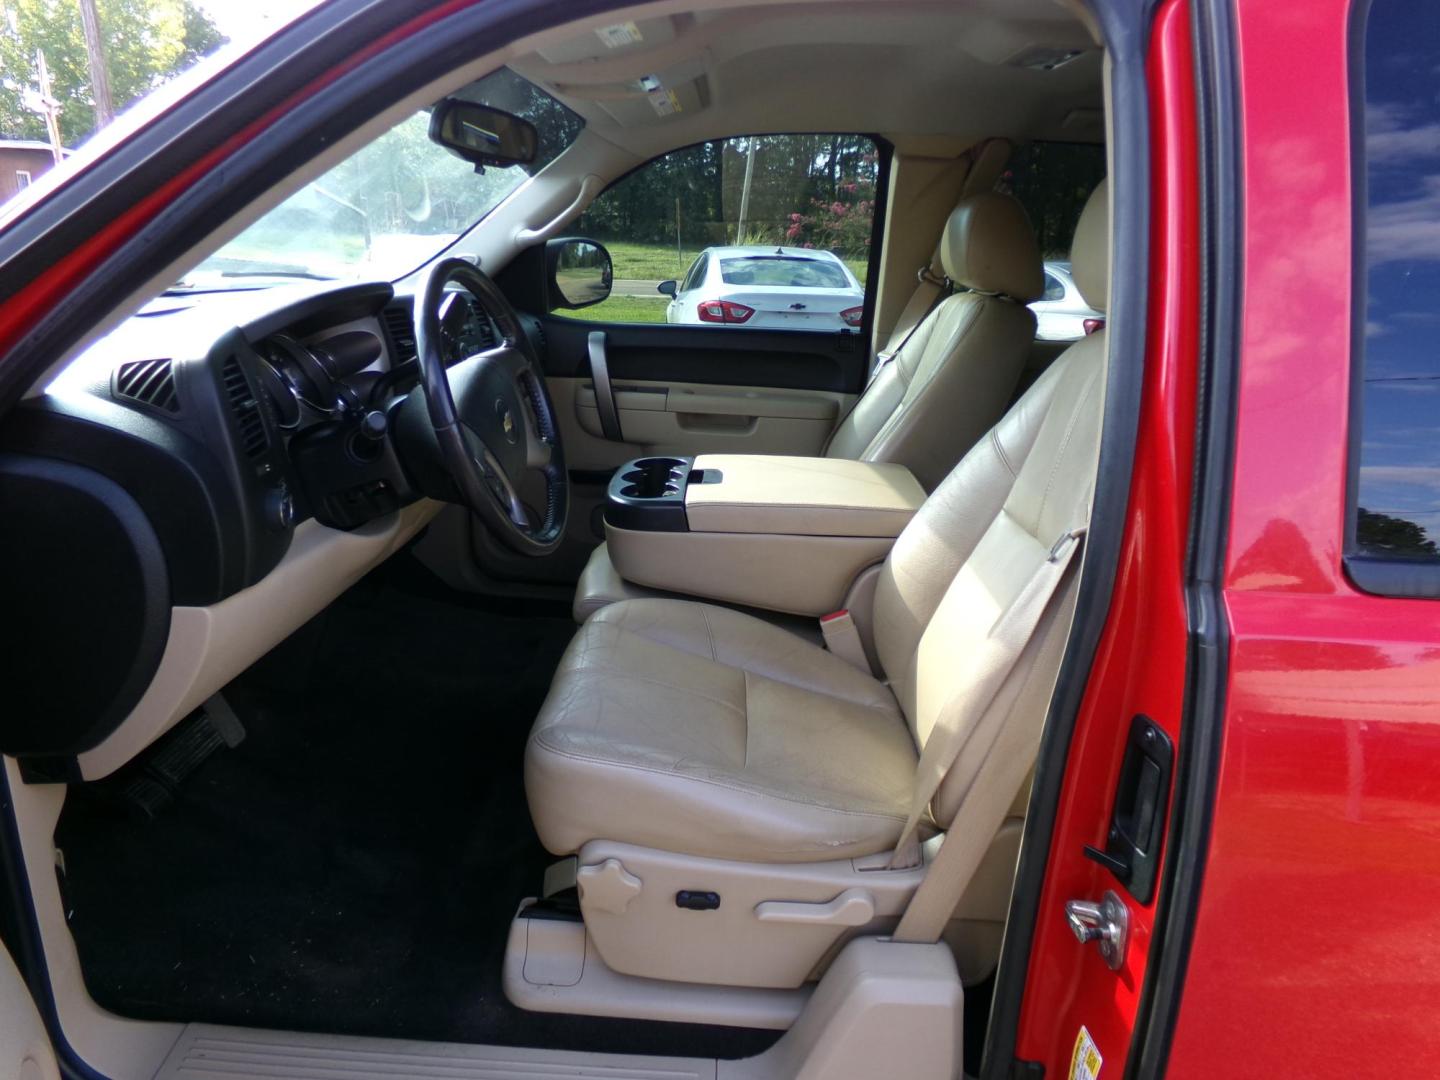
{"type": "Point", "coordinates": [604, 392]}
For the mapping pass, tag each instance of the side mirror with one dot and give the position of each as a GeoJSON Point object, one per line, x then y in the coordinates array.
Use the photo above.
{"type": "Point", "coordinates": [482, 135]}
{"type": "Point", "coordinates": [580, 272]}
{"type": "Point", "coordinates": [669, 288]}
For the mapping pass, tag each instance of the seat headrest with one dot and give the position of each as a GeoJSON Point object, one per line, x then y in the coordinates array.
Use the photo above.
{"type": "Point", "coordinates": [989, 246]}
{"type": "Point", "coordinates": [1090, 250]}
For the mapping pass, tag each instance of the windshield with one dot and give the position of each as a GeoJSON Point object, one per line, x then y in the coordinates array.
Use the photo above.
{"type": "Point", "coordinates": [392, 206]}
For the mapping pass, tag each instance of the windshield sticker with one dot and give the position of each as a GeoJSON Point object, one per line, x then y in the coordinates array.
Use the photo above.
{"type": "Point", "coordinates": [1085, 1062]}
{"type": "Point", "coordinates": [618, 35]}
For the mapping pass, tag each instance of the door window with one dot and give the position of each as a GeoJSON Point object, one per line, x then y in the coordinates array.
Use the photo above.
{"type": "Point", "coordinates": [1395, 487]}
{"type": "Point", "coordinates": [788, 218]}
{"type": "Point", "coordinates": [1052, 180]}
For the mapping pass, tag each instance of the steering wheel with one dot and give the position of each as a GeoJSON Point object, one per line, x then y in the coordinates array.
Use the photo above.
{"type": "Point", "coordinates": [492, 415]}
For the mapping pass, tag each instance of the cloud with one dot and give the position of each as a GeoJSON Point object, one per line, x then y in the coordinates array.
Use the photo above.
{"type": "Point", "coordinates": [1408, 476]}
{"type": "Point", "coordinates": [1389, 142]}
{"type": "Point", "coordinates": [1408, 229]}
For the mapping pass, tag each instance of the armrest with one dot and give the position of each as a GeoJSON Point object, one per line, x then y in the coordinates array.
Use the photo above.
{"type": "Point", "coordinates": [802, 496]}
{"type": "Point", "coordinates": [785, 534]}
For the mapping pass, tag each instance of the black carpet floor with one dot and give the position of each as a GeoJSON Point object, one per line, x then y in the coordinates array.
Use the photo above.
{"type": "Point", "coordinates": [353, 865]}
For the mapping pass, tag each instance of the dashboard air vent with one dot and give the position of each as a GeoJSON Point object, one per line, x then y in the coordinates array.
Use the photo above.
{"type": "Point", "coordinates": [245, 408]}
{"type": "Point", "coordinates": [150, 382]}
{"type": "Point", "coordinates": [401, 325]}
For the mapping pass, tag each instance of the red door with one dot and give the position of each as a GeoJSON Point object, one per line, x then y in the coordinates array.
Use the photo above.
{"type": "Point", "coordinates": [1079, 1012]}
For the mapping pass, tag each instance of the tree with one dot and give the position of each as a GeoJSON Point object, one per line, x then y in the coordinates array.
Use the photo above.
{"type": "Point", "coordinates": [146, 43]}
{"type": "Point", "coordinates": [1393, 535]}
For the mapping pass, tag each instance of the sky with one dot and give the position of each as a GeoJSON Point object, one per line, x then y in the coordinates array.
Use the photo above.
{"type": "Point", "coordinates": [1400, 448]}
{"type": "Point", "coordinates": [241, 20]}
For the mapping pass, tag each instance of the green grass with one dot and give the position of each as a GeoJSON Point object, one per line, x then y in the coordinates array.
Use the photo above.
{"type": "Point", "coordinates": [656, 262]}
{"type": "Point", "coordinates": [630, 309]}
{"type": "Point", "coordinates": [648, 262]}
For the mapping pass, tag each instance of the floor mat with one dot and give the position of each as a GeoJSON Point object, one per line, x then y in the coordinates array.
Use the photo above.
{"type": "Point", "coordinates": [353, 865]}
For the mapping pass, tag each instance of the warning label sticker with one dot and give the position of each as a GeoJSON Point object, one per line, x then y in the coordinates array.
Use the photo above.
{"type": "Point", "coordinates": [1085, 1062]}
{"type": "Point", "coordinates": [618, 35]}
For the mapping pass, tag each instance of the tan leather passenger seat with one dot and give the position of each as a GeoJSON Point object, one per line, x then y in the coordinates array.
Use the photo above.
{"type": "Point", "coordinates": [947, 383]}
{"type": "Point", "coordinates": [681, 727]}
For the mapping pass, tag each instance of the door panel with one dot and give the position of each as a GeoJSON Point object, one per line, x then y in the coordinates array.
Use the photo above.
{"type": "Point", "coordinates": [25, 1049]}
{"type": "Point", "coordinates": [725, 356]}
{"type": "Point", "coordinates": [683, 390]}
{"type": "Point", "coordinates": [692, 418]}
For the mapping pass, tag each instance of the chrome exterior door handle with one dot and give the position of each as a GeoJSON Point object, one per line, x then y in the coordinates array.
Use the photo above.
{"type": "Point", "coordinates": [1106, 922]}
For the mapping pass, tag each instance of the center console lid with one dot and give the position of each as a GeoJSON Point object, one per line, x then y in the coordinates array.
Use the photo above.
{"type": "Point", "coordinates": [801, 496]}
{"type": "Point", "coordinates": [784, 533]}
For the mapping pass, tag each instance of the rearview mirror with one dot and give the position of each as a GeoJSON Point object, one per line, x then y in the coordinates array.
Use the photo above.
{"type": "Point", "coordinates": [580, 272]}
{"type": "Point", "coordinates": [482, 135]}
{"type": "Point", "coordinates": [669, 288]}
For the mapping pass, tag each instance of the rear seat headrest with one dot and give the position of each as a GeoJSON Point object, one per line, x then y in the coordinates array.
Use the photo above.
{"type": "Point", "coordinates": [1090, 250]}
{"type": "Point", "coordinates": [989, 246]}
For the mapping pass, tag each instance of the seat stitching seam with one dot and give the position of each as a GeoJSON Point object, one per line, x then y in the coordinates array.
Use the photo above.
{"type": "Point", "coordinates": [889, 709]}
{"type": "Point", "coordinates": [745, 788]}
{"type": "Point", "coordinates": [1000, 451]}
{"type": "Point", "coordinates": [660, 682]}
{"type": "Point", "coordinates": [1064, 444]}
{"type": "Point", "coordinates": [709, 633]}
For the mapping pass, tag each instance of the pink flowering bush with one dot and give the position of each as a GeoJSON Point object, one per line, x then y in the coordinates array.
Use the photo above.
{"type": "Point", "coordinates": [841, 225]}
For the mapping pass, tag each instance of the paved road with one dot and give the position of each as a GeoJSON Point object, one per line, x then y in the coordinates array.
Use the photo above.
{"type": "Point", "coordinates": [636, 287]}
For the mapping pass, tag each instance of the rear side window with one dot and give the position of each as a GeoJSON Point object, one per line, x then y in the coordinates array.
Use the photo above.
{"type": "Point", "coordinates": [1053, 180]}
{"type": "Point", "coordinates": [1395, 486]}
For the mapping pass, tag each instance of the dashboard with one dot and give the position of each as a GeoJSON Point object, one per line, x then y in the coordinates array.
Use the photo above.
{"type": "Point", "coordinates": [224, 452]}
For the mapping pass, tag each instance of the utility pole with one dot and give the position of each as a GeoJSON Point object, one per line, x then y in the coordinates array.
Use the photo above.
{"type": "Point", "coordinates": [40, 100]}
{"type": "Point", "coordinates": [745, 190]}
{"type": "Point", "coordinates": [99, 72]}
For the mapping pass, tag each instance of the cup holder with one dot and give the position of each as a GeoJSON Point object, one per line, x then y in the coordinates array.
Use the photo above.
{"type": "Point", "coordinates": [654, 478]}
{"type": "Point", "coordinates": [648, 494]}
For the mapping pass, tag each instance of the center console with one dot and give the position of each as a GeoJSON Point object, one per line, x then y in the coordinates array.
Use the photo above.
{"type": "Point", "coordinates": [783, 533]}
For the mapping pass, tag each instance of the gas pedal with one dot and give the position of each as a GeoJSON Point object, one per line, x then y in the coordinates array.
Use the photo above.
{"type": "Point", "coordinates": [150, 785]}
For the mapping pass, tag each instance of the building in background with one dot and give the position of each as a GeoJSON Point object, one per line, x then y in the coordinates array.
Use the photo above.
{"type": "Point", "coordinates": [21, 161]}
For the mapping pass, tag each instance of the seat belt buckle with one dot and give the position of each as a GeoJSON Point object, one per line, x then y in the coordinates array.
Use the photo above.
{"type": "Point", "coordinates": [842, 638]}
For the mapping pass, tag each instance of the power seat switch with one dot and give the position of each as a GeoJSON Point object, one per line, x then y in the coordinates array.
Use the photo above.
{"type": "Point", "coordinates": [1137, 821]}
{"type": "Point", "coordinates": [694, 900]}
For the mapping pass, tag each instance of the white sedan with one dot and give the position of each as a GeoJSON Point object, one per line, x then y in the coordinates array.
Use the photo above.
{"type": "Point", "coordinates": [773, 288]}
{"type": "Point", "coordinates": [1062, 314]}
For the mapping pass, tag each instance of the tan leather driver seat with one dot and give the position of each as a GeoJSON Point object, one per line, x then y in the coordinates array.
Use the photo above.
{"type": "Point", "coordinates": [689, 738]}
{"type": "Point", "coordinates": [948, 381]}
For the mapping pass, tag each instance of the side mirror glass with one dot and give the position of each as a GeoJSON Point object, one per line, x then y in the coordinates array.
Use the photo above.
{"type": "Point", "coordinates": [669, 288]}
{"type": "Point", "coordinates": [482, 135]}
{"type": "Point", "coordinates": [580, 272]}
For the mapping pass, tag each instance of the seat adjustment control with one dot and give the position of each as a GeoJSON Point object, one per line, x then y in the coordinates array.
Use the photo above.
{"type": "Point", "coordinates": [695, 900]}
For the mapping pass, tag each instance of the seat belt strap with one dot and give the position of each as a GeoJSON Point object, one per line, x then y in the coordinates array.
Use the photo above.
{"type": "Point", "coordinates": [982, 674]}
{"type": "Point", "coordinates": [932, 287]}
{"type": "Point", "coordinates": [1007, 763]}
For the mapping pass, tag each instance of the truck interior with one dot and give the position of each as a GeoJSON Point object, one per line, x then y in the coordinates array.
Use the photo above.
{"type": "Point", "coordinates": [444, 674]}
